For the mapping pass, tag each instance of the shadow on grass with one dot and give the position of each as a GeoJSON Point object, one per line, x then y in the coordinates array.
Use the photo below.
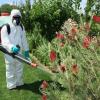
{"type": "Point", "coordinates": [34, 87]}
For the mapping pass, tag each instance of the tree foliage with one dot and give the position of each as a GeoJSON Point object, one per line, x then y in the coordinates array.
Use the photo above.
{"type": "Point", "coordinates": [26, 9]}
{"type": "Point", "coordinates": [97, 7]}
{"type": "Point", "coordinates": [50, 15]}
{"type": "Point", "coordinates": [6, 8]}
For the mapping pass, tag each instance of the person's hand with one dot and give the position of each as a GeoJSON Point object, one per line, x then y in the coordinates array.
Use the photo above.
{"type": "Point", "coordinates": [26, 54]}
{"type": "Point", "coordinates": [15, 49]}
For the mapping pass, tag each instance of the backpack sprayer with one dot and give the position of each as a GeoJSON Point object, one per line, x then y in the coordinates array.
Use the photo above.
{"type": "Point", "coordinates": [20, 58]}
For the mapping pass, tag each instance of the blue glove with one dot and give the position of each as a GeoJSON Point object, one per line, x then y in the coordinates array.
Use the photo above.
{"type": "Point", "coordinates": [26, 54]}
{"type": "Point", "coordinates": [15, 49]}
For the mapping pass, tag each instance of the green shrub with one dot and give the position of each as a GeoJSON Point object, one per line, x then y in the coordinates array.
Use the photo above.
{"type": "Point", "coordinates": [34, 38]}
{"type": "Point", "coordinates": [49, 14]}
{"type": "Point", "coordinates": [6, 8]}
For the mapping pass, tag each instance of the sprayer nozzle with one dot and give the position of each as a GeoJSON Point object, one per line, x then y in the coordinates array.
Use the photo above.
{"type": "Point", "coordinates": [33, 65]}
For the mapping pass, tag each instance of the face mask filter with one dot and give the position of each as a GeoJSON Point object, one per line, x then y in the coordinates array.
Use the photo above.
{"type": "Point", "coordinates": [16, 20]}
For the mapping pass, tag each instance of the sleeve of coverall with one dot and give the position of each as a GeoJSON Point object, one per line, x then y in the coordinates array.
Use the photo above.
{"type": "Point", "coordinates": [5, 39]}
{"type": "Point", "coordinates": [24, 41]}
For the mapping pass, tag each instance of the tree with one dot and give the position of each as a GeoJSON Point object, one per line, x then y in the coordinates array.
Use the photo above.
{"type": "Point", "coordinates": [26, 13]}
{"type": "Point", "coordinates": [97, 7]}
{"type": "Point", "coordinates": [6, 8]}
{"type": "Point", "coordinates": [51, 14]}
{"type": "Point", "coordinates": [92, 6]}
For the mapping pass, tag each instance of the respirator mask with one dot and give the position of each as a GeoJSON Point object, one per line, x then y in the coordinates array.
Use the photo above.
{"type": "Point", "coordinates": [16, 20]}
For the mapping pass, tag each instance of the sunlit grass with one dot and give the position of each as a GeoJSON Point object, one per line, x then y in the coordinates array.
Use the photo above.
{"type": "Point", "coordinates": [33, 79]}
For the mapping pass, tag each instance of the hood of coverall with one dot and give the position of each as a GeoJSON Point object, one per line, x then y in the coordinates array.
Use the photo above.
{"type": "Point", "coordinates": [16, 17]}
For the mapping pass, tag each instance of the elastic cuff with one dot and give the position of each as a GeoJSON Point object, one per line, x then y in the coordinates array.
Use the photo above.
{"type": "Point", "coordinates": [10, 47]}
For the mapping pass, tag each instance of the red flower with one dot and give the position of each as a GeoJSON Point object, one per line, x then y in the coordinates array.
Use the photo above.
{"type": "Point", "coordinates": [74, 30]}
{"type": "Point", "coordinates": [44, 97]}
{"type": "Point", "coordinates": [72, 33]}
{"type": "Point", "coordinates": [74, 69]}
{"type": "Point", "coordinates": [96, 18]}
{"type": "Point", "coordinates": [59, 36]}
{"type": "Point", "coordinates": [62, 68]}
{"type": "Point", "coordinates": [52, 55]}
{"type": "Point", "coordinates": [86, 41]}
{"type": "Point", "coordinates": [44, 85]}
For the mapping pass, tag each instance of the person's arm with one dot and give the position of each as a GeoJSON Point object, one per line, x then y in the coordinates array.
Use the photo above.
{"type": "Point", "coordinates": [25, 45]}
{"type": "Point", "coordinates": [5, 39]}
{"type": "Point", "coordinates": [24, 41]}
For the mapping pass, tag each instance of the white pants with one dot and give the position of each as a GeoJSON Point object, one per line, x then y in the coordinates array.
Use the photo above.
{"type": "Point", "coordinates": [14, 71]}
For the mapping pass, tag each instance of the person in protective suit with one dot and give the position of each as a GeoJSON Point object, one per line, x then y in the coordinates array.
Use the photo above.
{"type": "Point", "coordinates": [12, 42]}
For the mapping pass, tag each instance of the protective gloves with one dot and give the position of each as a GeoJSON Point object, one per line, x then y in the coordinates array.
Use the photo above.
{"type": "Point", "coordinates": [26, 54]}
{"type": "Point", "coordinates": [15, 49]}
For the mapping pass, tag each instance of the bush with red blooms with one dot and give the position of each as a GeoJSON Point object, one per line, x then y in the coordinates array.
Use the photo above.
{"type": "Point", "coordinates": [62, 68]}
{"type": "Point", "coordinates": [86, 41]}
{"type": "Point", "coordinates": [52, 55]}
{"type": "Point", "coordinates": [96, 19]}
{"type": "Point", "coordinates": [75, 55]}
{"type": "Point", "coordinates": [44, 97]}
{"type": "Point", "coordinates": [95, 26]}
{"type": "Point", "coordinates": [44, 85]}
{"type": "Point", "coordinates": [74, 69]}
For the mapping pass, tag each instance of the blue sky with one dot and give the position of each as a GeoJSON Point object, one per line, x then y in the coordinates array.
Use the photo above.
{"type": "Point", "coordinates": [8, 1]}
{"type": "Point", "coordinates": [83, 3]}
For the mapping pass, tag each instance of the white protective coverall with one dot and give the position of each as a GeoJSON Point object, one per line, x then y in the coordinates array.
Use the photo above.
{"type": "Point", "coordinates": [14, 68]}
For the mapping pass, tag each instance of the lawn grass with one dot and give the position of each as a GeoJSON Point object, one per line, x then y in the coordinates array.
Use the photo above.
{"type": "Point", "coordinates": [32, 77]}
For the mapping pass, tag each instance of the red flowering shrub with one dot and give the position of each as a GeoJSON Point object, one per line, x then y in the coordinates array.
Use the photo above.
{"type": "Point", "coordinates": [44, 85]}
{"type": "Point", "coordinates": [62, 68]}
{"type": "Point", "coordinates": [52, 55]}
{"type": "Point", "coordinates": [59, 35]}
{"type": "Point", "coordinates": [74, 69]}
{"type": "Point", "coordinates": [86, 41]}
{"type": "Point", "coordinates": [74, 63]}
{"type": "Point", "coordinates": [44, 97]}
{"type": "Point", "coordinates": [96, 19]}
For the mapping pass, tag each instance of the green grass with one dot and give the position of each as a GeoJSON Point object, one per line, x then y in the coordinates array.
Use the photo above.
{"type": "Point", "coordinates": [32, 77]}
